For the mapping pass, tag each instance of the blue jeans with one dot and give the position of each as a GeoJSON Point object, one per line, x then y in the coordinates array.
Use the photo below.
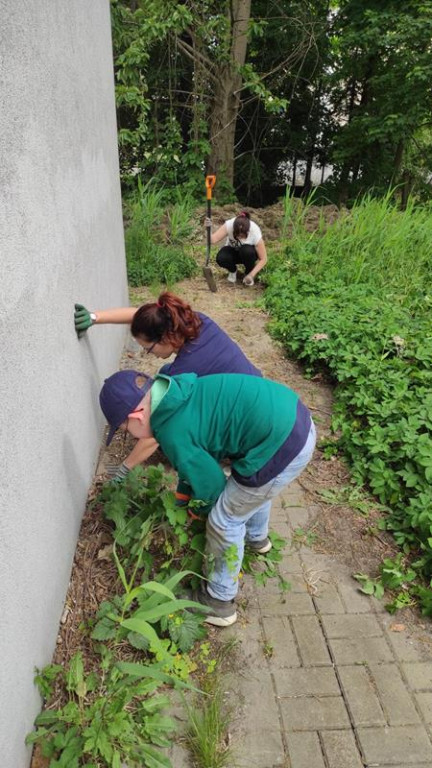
{"type": "Point", "coordinates": [243, 513]}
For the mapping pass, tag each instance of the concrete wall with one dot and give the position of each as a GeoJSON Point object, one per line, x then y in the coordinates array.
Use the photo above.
{"type": "Point", "coordinates": [61, 241]}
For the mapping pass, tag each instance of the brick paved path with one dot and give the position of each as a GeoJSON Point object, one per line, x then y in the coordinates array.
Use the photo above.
{"type": "Point", "coordinates": [326, 683]}
{"type": "Point", "coordinates": [322, 680]}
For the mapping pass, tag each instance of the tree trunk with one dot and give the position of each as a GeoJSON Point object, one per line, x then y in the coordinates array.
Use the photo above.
{"type": "Point", "coordinates": [397, 161]}
{"type": "Point", "coordinates": [406, 189]}
{"type": "Point", "coordinates": [226, 99]}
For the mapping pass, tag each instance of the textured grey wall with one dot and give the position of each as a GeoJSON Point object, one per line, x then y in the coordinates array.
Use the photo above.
{"type": "Point", "coordinates": [61, 240]}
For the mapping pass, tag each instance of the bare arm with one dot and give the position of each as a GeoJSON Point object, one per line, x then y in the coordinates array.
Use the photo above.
{"type": "Point", "coordinates": [117, 315]}
{"type": "Point", "coordinates": [142, 450]}
{"type": "Point", "coordinates": [262, 258]}
{"type": "Point", "coordinates": [219, 234]}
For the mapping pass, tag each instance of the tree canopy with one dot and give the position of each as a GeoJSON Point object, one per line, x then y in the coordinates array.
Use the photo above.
{"type": "Point", "coordinates": [246, 88]}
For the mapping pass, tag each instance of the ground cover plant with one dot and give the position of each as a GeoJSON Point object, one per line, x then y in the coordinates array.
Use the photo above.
{"type": "Point", "coordinates": [354, 299]}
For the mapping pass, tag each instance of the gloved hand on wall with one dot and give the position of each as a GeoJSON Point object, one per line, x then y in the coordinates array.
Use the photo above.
{"type": "Point", "coordinates": [83, 319]}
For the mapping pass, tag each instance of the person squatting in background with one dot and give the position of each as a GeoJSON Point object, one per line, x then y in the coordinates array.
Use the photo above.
{"type": "Point", "coordinates": [262, 426]}
{"type": "Point", "coordinates": [244, 245]}
{"type": "Point", "coordinates": [162, 328]}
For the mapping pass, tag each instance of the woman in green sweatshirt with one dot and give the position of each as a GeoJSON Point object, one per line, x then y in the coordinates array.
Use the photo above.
{"type": "Point", "coordinates": [260, 425]}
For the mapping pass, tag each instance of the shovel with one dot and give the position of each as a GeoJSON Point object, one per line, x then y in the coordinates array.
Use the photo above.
{"type": "Point", "coordinates": [207, 270]}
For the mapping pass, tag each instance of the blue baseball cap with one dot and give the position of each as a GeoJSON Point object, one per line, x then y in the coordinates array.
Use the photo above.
{"type": "Point", "coordinates": [120, 395]}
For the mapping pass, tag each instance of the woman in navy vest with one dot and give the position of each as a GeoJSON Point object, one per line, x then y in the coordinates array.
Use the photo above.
{"type": "Point", "coordinates": [165, 327]}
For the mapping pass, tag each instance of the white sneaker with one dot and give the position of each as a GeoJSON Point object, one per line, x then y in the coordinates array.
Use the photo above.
{"type": "Point", "coordinates": [232, 277]}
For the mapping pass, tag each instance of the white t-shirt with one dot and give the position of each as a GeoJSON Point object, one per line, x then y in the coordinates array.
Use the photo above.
{"type": "Point", "coordinates": [254, 234]}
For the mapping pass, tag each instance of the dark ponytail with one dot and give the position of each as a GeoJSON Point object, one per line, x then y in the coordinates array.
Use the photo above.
{"type": "Point", "coordinates": [169, 319]}
{"type": "Point", "coordinates": [241, 225]}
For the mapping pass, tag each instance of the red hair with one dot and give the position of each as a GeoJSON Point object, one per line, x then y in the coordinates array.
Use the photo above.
{"type": "Point", "coordinates": [169, 319]}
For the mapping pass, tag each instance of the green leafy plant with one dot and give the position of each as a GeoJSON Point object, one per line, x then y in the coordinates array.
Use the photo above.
{"type": "Point", "coordinates": [394, 575]}
{"type": "Point", "coordinates": [352, 496]}
{"type": "Point", "coordinates": [135, 614]}
{"type": "Point", "coordinates": [108, 719]}
{"type": "Point", "coordinates": [264, 566]}
{"type": "Point", "coordinates": [302, 537]}
{"type": "Point", "coordinates": [373, 587]}
{"type": "Point", "coordinates": [353, 300]}
{"type": "Point", "coordinates": [141, 506]}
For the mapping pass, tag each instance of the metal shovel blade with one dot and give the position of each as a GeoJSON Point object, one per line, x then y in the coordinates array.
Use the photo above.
{"type": "Point", "coordinates": [209, 276]}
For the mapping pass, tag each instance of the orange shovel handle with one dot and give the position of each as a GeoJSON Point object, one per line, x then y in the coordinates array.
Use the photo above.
{"type": "Point", "coordinates": [210, 182]}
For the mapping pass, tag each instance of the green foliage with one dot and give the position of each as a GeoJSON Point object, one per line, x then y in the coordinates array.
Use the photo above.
{"type": "Point", "coordinates": [138, 506]}
{"type": "Point", "coordinates": [155, 237]}
{"type": "Point", "coordinates": [113, 715]}
{"type": "Point", "coordinates": [264, 567]}
{"type": "Point", "coordinates": [208, 722]}
{"type": "Point", "coordinates": [354, 299]}
{"type": "Point", "coordinates": [383, 67]}
{"type": "Point", "coordinates": [394, 575]}
{"type": "Point", "coordinates": [108, 720]}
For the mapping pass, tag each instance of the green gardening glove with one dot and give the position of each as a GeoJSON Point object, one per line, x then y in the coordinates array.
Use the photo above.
{"type": "Point", "coordinates": [82, 318]}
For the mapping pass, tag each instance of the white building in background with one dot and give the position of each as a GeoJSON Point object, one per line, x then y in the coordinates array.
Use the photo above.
{"type": "Point", "coordinates": [319, 174]}
{"type": "Point", "coordinates": [61, 238]}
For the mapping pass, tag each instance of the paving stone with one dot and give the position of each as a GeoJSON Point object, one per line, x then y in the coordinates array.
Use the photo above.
{"type": "Point", "coordinates": [341, 750]}
{"type": "Point", "coordinates": [406, 648]}
{"type": "Point", "coordinates": [315, 561]}
{"type": "Point", "coordinates": [311, 681]}
{"type": "Point", "coordinates": [398, 745]}
{"type": "Point", "coordinates": [259, 742]}
{"type": "Point", "coordinates": [257, 748]}
{"type": "Point", "coordinates": [305, 750]}
{"type": "Point", "coordinates": [248, 627]}
{"type": "Point", "coordinates": [254, 658]}
{"type": "Point", "coordinates": [419, 675]}
{"type": "Point", "coordinates": [327, 599]}
{"type": "Point", "coordinates": [414, 644]}
{"type": "Point", "coordinates": [424, 701]}
{"type": "Point", "coordinates": [367, 650]}
{"type": "Point", "coordinates": [353, 600]}
{"type": "Point", "coordinates": [311, 641]}
{"type": "Point", "coordinates": [279, 635]}
{"type": "Point", "coordinates": [287, 604]}
{"type": "Point", "coordinates": [314, 713]}
{"type": "Point", "coordinates": [290, 562]}
{"type": "Point", "coordinates": [296, 582]}
{"type": "Point", "coordinates": [397, 703]}
{"type": "Point", "coordinates": [180, 757]}
{"type": "Point", "coordinates": [298, 517]}
{"type": "Point", "coordinates": [351, 626]}
{"type": "Point", "coordinates": [259, 702]}
{"type": "Point", "coordinates": [281, 527]}
{"type": "Point", "coordinates": [360, 694]}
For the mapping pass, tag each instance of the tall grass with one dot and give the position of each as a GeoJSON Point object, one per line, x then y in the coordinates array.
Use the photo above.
{"type": "Point", "coordinates": [156, 237]}
{"type": "Point", "coordinates": [374, 243]}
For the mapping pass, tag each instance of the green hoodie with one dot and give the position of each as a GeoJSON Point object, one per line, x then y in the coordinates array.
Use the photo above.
{"type": "Point", "coordinates": [200, 421]}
